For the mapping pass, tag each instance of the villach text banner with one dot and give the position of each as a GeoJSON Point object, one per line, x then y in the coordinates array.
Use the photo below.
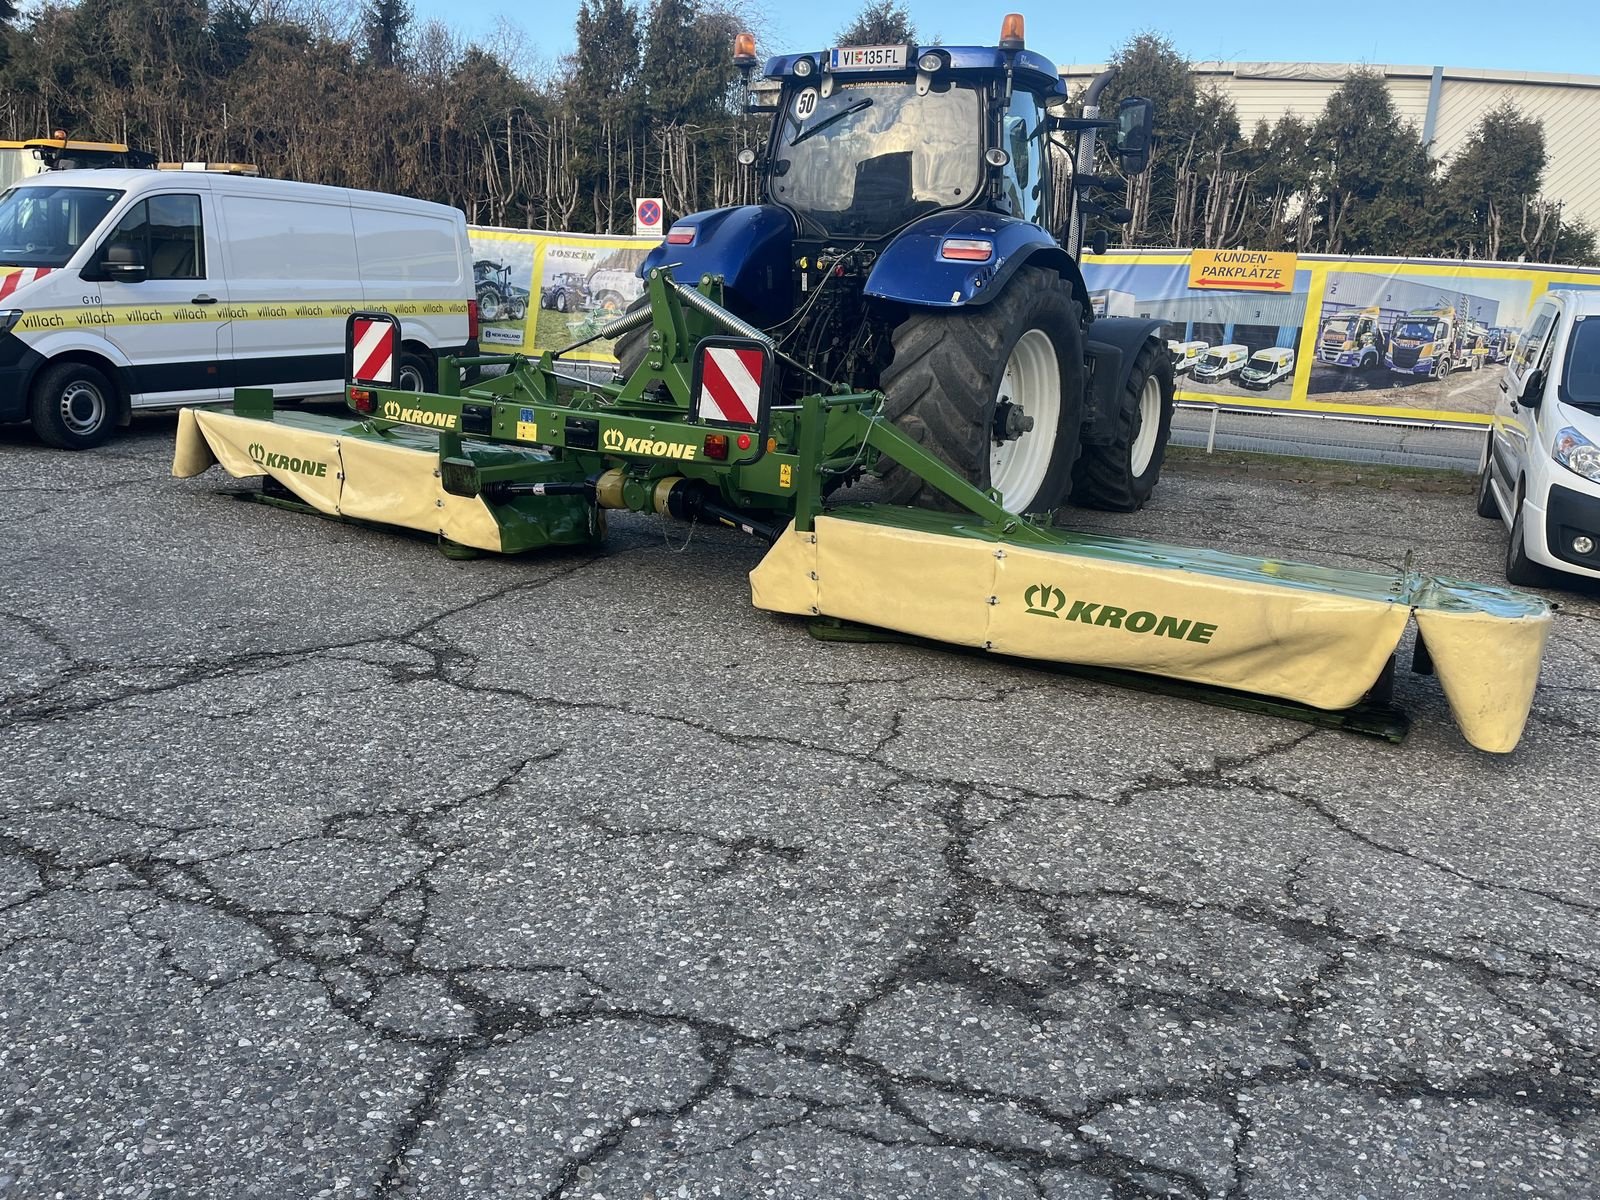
{"type": "Point", "coordinates": [1410, 339]}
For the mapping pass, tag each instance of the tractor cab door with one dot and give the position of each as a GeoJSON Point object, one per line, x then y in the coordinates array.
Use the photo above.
{"type": "Point", "coordinates": [1025, 187]}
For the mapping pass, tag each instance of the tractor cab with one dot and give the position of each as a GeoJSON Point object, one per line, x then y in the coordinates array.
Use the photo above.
{"type": "Point", "coordinates": [866, 140]}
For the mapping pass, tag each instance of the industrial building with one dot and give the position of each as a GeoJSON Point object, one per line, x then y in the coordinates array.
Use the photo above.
{"type": "Point", "coordinates": [1445, 104]}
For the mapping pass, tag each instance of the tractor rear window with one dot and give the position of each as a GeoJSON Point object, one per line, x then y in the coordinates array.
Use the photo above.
{"type": "Point", "coordinates": [873, 156]}
{"type": "Point", "coordinates": [1580, 380]}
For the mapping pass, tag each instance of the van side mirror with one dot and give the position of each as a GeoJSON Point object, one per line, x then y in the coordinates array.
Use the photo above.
{"type": "Point", "coordinates": [1136, 118]}
{"type": "Point", "coordinates": [121, 263]}
{"type": "Point", "coordinates": [1532, 388]}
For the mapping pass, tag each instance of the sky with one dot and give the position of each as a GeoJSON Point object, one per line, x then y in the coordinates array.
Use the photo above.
{"type": "Point", "coordinates": [1564, 38]}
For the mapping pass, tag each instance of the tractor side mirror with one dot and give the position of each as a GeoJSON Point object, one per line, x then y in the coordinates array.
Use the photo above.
{"type": "Point", "coordinates": [1136, 119]}
{"type": "Point", "coordinates": [1057, 108]}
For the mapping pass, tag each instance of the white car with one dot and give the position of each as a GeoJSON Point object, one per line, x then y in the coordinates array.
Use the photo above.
{"type": "Point", "coordinates": [1186, 354]}
{"type": "Point", "coordinates": [1541, 470]}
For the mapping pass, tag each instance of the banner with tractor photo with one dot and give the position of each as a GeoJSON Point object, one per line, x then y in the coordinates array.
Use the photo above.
{"type": "Point", "coordinates": [1412, 339]}
{"type": "Point", "coordinates": [1407, 339]}
{"type": "Point", "coordinates": [541, 291]}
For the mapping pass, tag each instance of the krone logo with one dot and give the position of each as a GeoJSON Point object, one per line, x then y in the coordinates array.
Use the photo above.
{"type": "Point", "coordinates": [257, 451]}
{"type": "Point", "coordinates": [1045, 601]}
{"type": "Point", "coordinates": [391, 410]}
{"type": "Point", "coordinates": [612, 439]}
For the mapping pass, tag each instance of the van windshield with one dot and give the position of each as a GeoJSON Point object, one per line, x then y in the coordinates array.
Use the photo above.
{"type": "Point", "coordinates": [1580, 380]}
{"type": "Point", "coordinates": [1213, 360]}
{"type": "Point", "coordinates": [44, 226]}
{"type": "Point", "coordinates": [1262, 362]}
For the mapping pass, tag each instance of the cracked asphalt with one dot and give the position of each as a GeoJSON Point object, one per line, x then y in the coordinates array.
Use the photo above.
{"type": "Point", "coordinates": [330, 867]}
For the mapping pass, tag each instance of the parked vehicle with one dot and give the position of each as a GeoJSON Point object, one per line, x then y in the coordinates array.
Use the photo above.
{"type": "Point", "coordinates": [1354, 338]}
{"type": "Point", "coordinates": [1541, 468]}
{"type": "Point", "coordinates": [124, 289]}
{"type": "Point", "coordinates": [1186, 354]}
{"type": "Point", "coordinates": [21, 160]}
{"type": "Point", "coordinates": [1502, 343]}
{"type": "Point", "coordinates": [565, 291]}
{"type": "Point", "coordinates": [906, 242]}
{"type": "Point", "coordinates": [1266, 367]}
{"type": "Point", "coordinates": [1219, 362]}
{"type": "Point", "coordinates": [613, 288]}
{"type": "Point", "coordinates": [1426, 341]}
{"type": "Point", "coordinates": [498, 298]}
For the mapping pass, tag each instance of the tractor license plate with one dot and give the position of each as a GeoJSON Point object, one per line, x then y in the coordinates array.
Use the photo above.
{"type": "Point", "coordinates": [868, 58]}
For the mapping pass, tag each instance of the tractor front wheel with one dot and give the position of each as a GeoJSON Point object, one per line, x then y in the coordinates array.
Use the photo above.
{"type": "Point", "coordinates": [996, 392]}
{"type": "Point", "coordinates": [1121, 476]}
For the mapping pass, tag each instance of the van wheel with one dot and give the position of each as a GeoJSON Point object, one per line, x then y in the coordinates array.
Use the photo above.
{"type": "Point", "coordinates": [74, 406]}
{"type": "Point", "coordinates": [1520, 569]}
{"type": "Point", "coordinates": [1121, 476]}
{"type": "Point", "coordinates": [416, 373]}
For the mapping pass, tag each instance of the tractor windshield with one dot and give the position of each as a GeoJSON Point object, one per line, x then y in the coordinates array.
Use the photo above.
{"type": "Point", "coordinates": [875, 155]}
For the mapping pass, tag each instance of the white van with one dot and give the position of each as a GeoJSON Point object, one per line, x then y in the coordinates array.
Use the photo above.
{"type": "Point", "coordinates": [124, 289]}
{"type": "Point", "coordinates": [1267, 366]}
{"type": "Point", "coordinates": [1221, 361]}
{"type": "Point", "coordinates": [1186, 354]}
{"type": "Point", "coordinates": [1541, 471]}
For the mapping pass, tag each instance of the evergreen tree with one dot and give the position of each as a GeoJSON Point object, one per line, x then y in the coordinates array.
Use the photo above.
{"type": "Point", "coordinates": [1371, 176]}
{"type": "Point", "coordinates": [385, 29]}
{"type": "Point", "coordinates": [880, 23]}
{"type": "Point", "coordinates": [1491, 182]}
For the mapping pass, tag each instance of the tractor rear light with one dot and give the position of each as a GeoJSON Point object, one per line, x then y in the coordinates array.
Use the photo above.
{"type": "Point", "coordinates": [363, 401]}
{"type": "Point", "coordinates": [472, 320]}
{"type": "Point", "coordinates": [743, 441]}
{"type": "Point", "coordinates": [803, 67]}
{"type": "Point", "coordinates": [967, 249]}
{"type": "Point", "coordinates": [1011, 32]}
{"type": "Point", "coordinates": [680, 235]}
{"type": "Point", "coordinates": [930, 62]}
{"type": "Point", "coordinates": [716, 445]}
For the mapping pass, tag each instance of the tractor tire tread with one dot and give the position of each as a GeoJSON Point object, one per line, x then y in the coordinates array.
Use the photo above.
{"type": "Point", "coordinates": [1104, 478]}
{"type": "Point", "coordinates": [932, 350]}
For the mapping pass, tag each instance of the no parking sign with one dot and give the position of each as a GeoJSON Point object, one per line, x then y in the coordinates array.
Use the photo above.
{"type": "Point", "coordinates": [647, 216]}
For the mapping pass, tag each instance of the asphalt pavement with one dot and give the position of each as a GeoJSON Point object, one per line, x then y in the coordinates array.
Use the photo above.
{"type": "Point", "coordinates": [330, 867]}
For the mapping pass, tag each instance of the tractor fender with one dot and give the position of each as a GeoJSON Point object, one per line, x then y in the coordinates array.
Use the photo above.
{"type": "Point", "coordinates": [749, 246]}
{"type": "Point", "coordinates": [910, 270]}
{"type": "Point", "coordinates": [1113, 345]}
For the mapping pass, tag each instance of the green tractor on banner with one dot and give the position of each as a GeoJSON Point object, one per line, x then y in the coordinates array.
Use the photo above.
{"type": "Point", "coordinates": [759, 418]}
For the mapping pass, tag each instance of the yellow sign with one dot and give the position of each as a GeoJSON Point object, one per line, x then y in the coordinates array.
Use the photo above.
{"type": "Point", "coordinates": [1242, 270]}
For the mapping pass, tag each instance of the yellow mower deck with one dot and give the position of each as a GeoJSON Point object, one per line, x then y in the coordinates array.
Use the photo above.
{"type": "Point", "coordinates": [1311, 635]}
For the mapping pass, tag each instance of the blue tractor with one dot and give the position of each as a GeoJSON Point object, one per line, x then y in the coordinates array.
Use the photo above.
{"type": "Point", "coordinates": [923, 212]}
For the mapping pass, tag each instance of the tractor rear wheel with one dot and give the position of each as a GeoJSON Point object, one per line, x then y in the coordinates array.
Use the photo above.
{"type": "Point", "coordinates": [1121, 476]}
{"type": "Point", "coordinates": [996, 392]}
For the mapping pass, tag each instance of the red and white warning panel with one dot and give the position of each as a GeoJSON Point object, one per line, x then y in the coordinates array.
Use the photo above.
{"type": "Point", "coordinates": [372, 341]}
{"type": "Point", "coordinates": [732, 381]}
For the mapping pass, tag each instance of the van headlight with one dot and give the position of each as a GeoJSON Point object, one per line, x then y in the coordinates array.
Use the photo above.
{"type": "Point", "coordinates": [1578, 454]}
{"type": "Point", "coordinates": [8, 318]}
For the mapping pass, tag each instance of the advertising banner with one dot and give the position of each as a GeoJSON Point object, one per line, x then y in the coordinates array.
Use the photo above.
{"type": "Point", "coordinates": [1412, 339]}
{"type": "Point", "coordinates": [543, 291]}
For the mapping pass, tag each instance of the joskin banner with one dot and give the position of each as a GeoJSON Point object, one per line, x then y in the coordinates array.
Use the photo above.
{"type": "Point", "coordinates": [1411, 339]}
{"type": "Point", "coordinates": [1407, 339]}
{"type": "Point", "coordinates": [542, 291]}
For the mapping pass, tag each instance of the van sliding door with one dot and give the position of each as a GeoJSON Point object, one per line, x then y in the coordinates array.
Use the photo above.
{"type": "Point", "coordinates": [292, 273]}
